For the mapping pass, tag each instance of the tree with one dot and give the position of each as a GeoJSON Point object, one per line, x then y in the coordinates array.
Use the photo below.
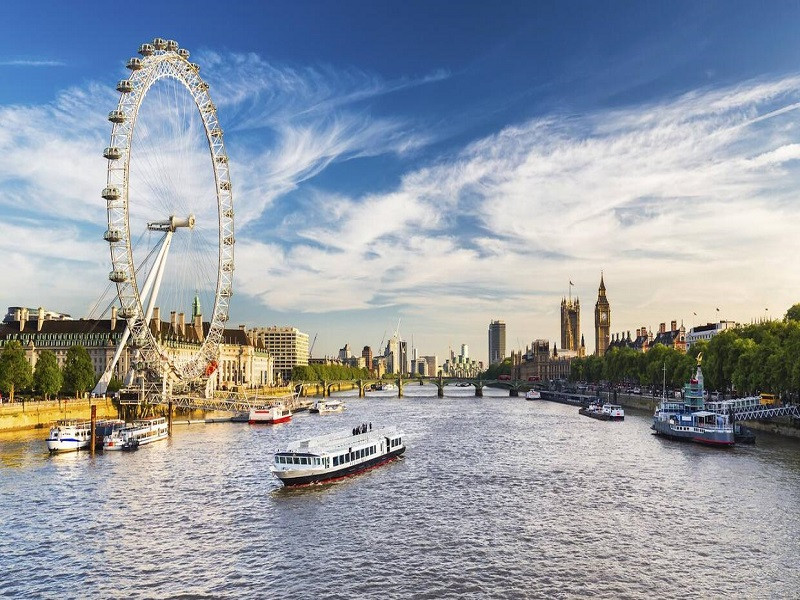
{"type": "Point", "coordinates": [15, 370]}
{"type": "Point", "coordinates": [47, 377]}
{"type": "Point", "coordinates": [793, 314]}
{"type": "Point", "coordinates": [78, 370]}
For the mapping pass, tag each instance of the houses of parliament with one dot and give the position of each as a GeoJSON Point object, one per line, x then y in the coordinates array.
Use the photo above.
{"type": "Point", "coordinates": [540, 362]}
{"type": "Point", "coordinates": [571, 338]}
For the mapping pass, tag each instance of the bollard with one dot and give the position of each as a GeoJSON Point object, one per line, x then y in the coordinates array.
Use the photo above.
{"type": "Point", "coordinates": [93, 435]}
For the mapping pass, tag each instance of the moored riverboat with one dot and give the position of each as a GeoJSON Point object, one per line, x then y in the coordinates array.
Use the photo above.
{"type": "Point", "coordinates": [69, 435]}
{"type": "Point", "coordinates": [324, 406]}
{"type": "Point", "coordinates": [533, 395]}
{"type": "Point", "coordinates": [271, 415]}
{"type": "Point", "coordinates": [688, 420]}
{"type": "Point", "coordinates": [337, 455]}
{"type": "Point", "coordinates": [138, 433]}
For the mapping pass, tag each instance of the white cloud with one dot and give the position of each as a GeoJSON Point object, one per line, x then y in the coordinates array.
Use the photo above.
{"type": "Point", "coordinates": [680, 202]}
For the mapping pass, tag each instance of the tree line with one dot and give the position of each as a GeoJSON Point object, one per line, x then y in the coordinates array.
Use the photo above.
{"type": "Point", "coordinates": [47, 379]}
{"type": "Point", "coordinates": [742, 361]}
{"type": "Point", "coordinates": [328, 373]}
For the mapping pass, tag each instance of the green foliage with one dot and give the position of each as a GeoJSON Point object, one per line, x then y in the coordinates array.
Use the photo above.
{"type": "Point", "coordinates": [114, 385]}
{"type": "Point", "coordinates": [78, 371]}
{"type": "Point", "coordinates": [793, 314]}
{"type": "Point", "coordinates": [15, 370]}
{"type": "Point", "coordinates": [499, 368]}
{"type": "Point", "coordinates": [328, 373]}
{"type": "Point", "coordinates": [763, 357]}
{"type": "Point", "coordinates": [47, 377]}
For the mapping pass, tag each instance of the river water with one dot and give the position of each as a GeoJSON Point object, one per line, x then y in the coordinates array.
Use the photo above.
{"type": "Point", "coordinates": [495, 497]}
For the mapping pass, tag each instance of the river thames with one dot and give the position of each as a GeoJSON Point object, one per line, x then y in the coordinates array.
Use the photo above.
{"type": "Point", "coordinates": [495, 497]}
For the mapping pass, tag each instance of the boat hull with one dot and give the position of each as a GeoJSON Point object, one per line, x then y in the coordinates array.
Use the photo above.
{"type": "Point", "coordinates": [270, 420]}
{"type": "Point", "coordinates": [333, 475]}
{"type": "Point", "coordinates": [66, 445]}
{"type": "Point", "coordinates": [708, 438]}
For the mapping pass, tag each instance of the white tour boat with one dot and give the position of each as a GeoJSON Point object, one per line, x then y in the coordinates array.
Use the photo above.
{"type": "Point", "coordinates": [323, 406]}
{"type": "Point", "coordinates": [69, 435]}
{"type": "Point", "coordinates": [277, 413]}
{"type": "Point", "coordinates": [138, 433]}
{"type": "Point", "coordinates": [337, 455]}
{"type": "Point", "coordinates": [533, 395]}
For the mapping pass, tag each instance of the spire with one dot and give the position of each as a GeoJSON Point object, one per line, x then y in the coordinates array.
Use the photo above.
{"type": "Point", "coordinates": [602, 289]}
{"type": "Point", "coordinates": [583, 344]}
{"type": "Point", "coordinates": [196, 306]}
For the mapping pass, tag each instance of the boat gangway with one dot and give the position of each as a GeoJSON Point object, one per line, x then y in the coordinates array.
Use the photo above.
{"type": "Point", "coordinates": [760, 413]}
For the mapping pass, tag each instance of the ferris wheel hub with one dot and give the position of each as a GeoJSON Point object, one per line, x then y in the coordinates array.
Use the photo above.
{"type": "Point", "coordinates": [172, 224]}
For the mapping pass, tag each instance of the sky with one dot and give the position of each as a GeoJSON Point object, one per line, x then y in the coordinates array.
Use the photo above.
{"type": "Point", "coordinates": [434, 164]}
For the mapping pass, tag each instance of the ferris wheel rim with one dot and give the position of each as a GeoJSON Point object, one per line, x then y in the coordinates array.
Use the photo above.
{"type": "Point", "coordinates": [163, 59]}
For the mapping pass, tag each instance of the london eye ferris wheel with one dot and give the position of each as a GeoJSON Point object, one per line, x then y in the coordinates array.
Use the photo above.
{"type": "Point", "coordinates": [170, 213]}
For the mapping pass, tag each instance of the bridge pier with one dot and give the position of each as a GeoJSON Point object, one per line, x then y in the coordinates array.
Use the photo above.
{"type": "Point", "coordinates": [440, 387]}
{"type": "Point", "coordinates": [479, 391]}
{"type": "Point", "coordinates": [361, 388]}
{"type": "Point", "coordinates": [399, 387]}
{"type": "Point", "coordinates": [324, 388]}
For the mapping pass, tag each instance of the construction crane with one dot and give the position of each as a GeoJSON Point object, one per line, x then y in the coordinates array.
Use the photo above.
{"type": "Point", "coordinates": [383, 339]}
{"type": "Point", "coordinates": [311, 348]}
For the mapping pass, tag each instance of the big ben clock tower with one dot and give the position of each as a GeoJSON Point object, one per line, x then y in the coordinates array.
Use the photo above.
{"type": "Point", "coordinates": [602, 320]}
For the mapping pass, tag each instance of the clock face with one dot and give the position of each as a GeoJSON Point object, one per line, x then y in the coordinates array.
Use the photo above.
{"type": "Point", "coordinates": [604, 317]}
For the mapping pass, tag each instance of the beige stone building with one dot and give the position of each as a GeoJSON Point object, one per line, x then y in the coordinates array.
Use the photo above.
{"type": "Point", "coordinates": [241, 362]}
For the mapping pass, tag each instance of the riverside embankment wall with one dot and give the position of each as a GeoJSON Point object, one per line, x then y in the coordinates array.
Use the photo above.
{"type": "Point", "coordinates": [16, 416]}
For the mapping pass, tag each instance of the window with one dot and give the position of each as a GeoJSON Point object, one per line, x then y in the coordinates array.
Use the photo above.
{"type": "Point", "coordinates": [335, 461]}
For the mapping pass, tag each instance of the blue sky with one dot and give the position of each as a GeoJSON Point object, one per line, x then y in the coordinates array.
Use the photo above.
{"type": "Point", "coordinates": [441, 163]}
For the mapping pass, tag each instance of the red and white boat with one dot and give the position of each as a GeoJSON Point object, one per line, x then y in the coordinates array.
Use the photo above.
{"type": "Point", "coordinates": [271, 415]}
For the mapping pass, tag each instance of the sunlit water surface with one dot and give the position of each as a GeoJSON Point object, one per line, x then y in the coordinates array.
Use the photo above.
{"type": "Point", "coordinates": [495, 497]}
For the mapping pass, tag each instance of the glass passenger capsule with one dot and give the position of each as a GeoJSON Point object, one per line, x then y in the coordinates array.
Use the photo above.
{"type": "Point", "coordinates": [171, 45]}
{"type": "Point", "coordinates": [110, 193]}
{"type": "Point", "coordinates": [183, 53]}
{"type": "Point", "coordinates": [112, 153]}
{"type": "Point", "coordinates": [124, 86]}
{"type": "Point", "coordinates": [116, 116]}
{"type": "Point", "coordinates": [112, 235]}
{"type": "Point", "coordinates": [159, 43]}
{"type": "Point", "coordinates": [134, 64]}
{"type": "Point", "coordinates": [117, 276]}
{"type": "Point", "coordinates": [146, 49]}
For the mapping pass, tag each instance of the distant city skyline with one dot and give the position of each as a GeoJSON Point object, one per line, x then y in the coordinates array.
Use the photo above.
{"type": "Point", "coordinates": [441, 164]}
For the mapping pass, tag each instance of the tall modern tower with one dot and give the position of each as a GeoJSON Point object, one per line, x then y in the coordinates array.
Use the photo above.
{"type": "Point", "coordinates": [602, 320]}
{"type": "Point", "coordinates": [570, 324]}
{"type": "Point", "coordinates": [497, 341]}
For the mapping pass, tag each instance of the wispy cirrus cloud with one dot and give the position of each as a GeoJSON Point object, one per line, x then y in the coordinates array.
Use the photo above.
{"type": "Point", "coordinates": [26, 62]}
{"type": "Point", "coordinates": [698, 191]}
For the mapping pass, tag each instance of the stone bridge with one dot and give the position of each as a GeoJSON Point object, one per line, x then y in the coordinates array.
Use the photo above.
{"type": "Point", "coordinates": [326, 387]}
